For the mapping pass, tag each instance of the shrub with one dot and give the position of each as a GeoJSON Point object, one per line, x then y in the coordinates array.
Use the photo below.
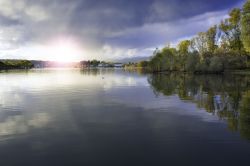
{"type": "Point", "coordinates": [216, 65]}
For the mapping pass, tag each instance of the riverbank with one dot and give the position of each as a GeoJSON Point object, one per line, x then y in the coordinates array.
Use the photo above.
{"type": "Point", "coordinates": [15, 64]}
{"type": "Point", "coordinates": [148, 70]}
{"type": "Point", "coordinates": [241, 72]}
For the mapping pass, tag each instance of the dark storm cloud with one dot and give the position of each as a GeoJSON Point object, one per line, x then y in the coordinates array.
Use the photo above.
{"type": "Point", "coordinates": [5, 21]}
{"type": "Point", "coordinates": [169, 10]}
{"type": "Point", "coordinates": [117, 14]}
{"type": "Point", "coordinates": [119, 23]}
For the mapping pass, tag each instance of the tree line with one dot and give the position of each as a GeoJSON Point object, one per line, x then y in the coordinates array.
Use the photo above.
{"type": "Point", "coordinates": [222, 47]}
{"type": "Point", "coordinates": [96, 63]}
{"type": "Point", "coordinates": [15, 64]}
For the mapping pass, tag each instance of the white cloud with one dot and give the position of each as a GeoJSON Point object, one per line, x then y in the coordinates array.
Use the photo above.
{"type": "Point", "coordinates": [37, 13]}
{"type": "Point", "coordinates": [19, 9]}
{"type": "Point", "coordinates": [11, 8]}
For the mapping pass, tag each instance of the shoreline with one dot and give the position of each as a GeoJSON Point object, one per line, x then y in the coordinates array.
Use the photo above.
{"type": "Point", "coordinates": [243, 72]}
{"type": "Point", "coordinates": [139, 69]}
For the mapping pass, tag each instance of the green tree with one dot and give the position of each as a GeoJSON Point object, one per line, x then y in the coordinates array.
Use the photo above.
{"type": "Point", "coordinates": [167, 61]}
{"type": "Point", "coordinates": [245, 116]}
{"type": "Point", "coordinates": [192, 61]}
{"type": "Point", "coordinates": [203, 53]}
{"type": "Point", "coordinates": [245, 23]}
{"type": "Point", "coordinates": [216, 64]}
{"type": "Point", "coordinates": [183, 47]}
{"type": "Point", "coordinates": [143, 64]}
{"type": "Point", "coordinates": [232, 30]}
{"type": "Point", "coordinates": [95, 63]}
{"type": "Point", "coordinates": [183, 50]}
{"type": "Point", "coordinates": [211, 38]}
{"type": "Point", "coordinates": [155, 62]}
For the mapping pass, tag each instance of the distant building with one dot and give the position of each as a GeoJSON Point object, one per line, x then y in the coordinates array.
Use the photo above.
{"type": "Point", "coordinates": [88, 64]}
{"type": "Point", "coordinates": [102, 65]}
{"type": "Point", "coordinates": [118, 65]}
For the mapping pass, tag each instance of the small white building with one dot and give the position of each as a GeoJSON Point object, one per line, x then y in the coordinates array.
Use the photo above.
{"type": "Point", "coordinates": [118, 65]}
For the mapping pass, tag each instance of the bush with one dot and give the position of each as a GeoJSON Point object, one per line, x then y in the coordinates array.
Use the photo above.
{"type": "Point", "coordinates": [143, 64]}
{"type": "Point", "coordinates": [201, 67]}
{"type": "Point", "coordinates": [192, 62]}
{"type": "Point", "coordinates": [216, 65]}
{"type": "Point", "coordinates": [237, 62]}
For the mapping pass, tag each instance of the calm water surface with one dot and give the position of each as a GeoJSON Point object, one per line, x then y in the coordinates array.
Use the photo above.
{"type": "Point", "coordinates": [112, 117]}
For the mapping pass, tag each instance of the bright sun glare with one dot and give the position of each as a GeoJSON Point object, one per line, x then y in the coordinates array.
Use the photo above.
{"type": "Point", "coordinates": [64, 51]}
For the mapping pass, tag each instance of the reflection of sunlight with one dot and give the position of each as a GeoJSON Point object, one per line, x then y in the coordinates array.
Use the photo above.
{"type": "Point", "coordinates": [15, 85]}
{"type": "Point", "coordinates": [42, 80]}
{"type": "Point", "coordinates": [46, 79]}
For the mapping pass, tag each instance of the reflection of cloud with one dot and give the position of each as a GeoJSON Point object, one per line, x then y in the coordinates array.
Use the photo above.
{"type": "Point", "coordinates": [119, 81]}
{"type": "Point", "coordinates": [143, 97]}
{"type": "Point", "coordinates": [24, 95]}
{"type": "Point", "coordinates": [21, 124]}
{"type": "Point", "coordinates": [12, 94]}
{"type": "Point", "coordinates": [44, 96]}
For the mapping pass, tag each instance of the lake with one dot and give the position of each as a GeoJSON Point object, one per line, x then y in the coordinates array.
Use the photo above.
{"type": "Point", "coordinates": [109, 117]}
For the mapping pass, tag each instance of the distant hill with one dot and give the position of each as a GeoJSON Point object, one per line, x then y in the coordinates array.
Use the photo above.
{"type": "Point", "coordinates": [134, 59]}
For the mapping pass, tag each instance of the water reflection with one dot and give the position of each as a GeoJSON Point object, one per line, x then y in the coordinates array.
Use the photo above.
{"type": "Point", "coordinates": [42, 98]}
{"type": "Point", "coordinates": [105, 117]}
{"type": "Point", "coordinates": [17, 124]}
{"type": "Point", "coordinates": [227, 96]}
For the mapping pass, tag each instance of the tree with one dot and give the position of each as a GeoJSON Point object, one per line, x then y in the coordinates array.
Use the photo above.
{"type": "Point", "coordinates": [205, 42]}
{"type": "Point", "coordinates": [245, 23]}
{"type": "Point", "coordinates": [232, 31]}
{"type": "Point", "coordinates": [198, 43]}
{"type": "Point", "coordinates": [94, 63]}
{"type": "Point", "coordinates": [143, 64]}
{"type": "Point", "coordinates": [211, 38]}
{"type": "Point", "coordinates": [155, 62]}
{"type": "Point", "coordinates": [168, 57]}
{"type": "Point", "coordinates": [192, 61]}
{"type": "Point", "coordinates": [216, 65]}
{"type": "Point", "coordinates": [183, 47]}
{"type": "Point", "coordinates": [219, 48]}
{"type": "Point", "coordinates": [183, 50]}
{"type": "Point", "coordinates": [245, 115]}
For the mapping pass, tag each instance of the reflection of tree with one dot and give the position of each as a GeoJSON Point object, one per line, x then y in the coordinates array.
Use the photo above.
{"type": "Point", "coordinates": [219, 95]}
{"type": "Point", "coordinates": [245, 115]}
{"type": "Point", "coordinates": [209, 103]}
{"type": "Point", "coordinates": [165, 84]}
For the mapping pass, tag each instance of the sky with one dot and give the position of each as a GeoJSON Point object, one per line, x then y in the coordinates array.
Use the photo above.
{"type": "Point", "coordinates": [73, 30]}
